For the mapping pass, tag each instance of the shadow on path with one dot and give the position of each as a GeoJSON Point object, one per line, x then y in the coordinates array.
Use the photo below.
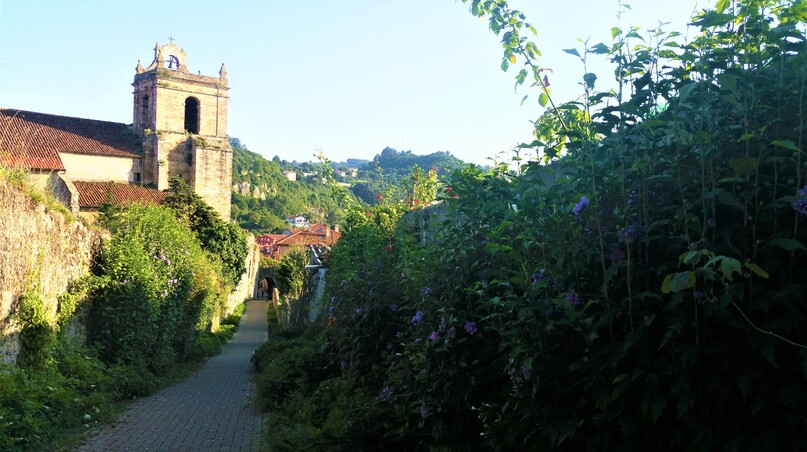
{"type": "Point", "coordinates": [211, 410]}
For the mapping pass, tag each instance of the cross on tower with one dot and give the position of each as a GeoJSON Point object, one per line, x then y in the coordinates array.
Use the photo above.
{"type": "Point", "coordinates": [171, 39]}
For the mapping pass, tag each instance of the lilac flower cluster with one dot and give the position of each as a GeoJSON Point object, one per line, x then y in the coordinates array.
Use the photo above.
{"type": "Point", "coordinates": [385, 393]}
{"type": "Point", "coordinates": [424, 411]}
{"type": "Point", "coordinates": [426, 292]}
{"type": "Point", "coordinates": [163, 258]}
{"type": "Point", "coordinates": [800, 205]}
{"type": "Point", "coordinates": [417, 318]}
{"type": "Point", "coordinates": [538, 276]}
{"type": "Point", "coordinates": [573, 299]}
{"type": "Point", "coordinates": [580, 206]}
{"type": "Point", "coordinates": [470, 327]}
{"type": "Point", "coordinates": [628, 235]}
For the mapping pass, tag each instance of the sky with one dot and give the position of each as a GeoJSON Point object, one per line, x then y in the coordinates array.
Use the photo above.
{"type": "Point", "coordinates": [346, 77]}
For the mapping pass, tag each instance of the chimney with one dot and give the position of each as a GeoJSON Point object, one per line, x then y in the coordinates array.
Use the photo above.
{"type": "Point", "coordinates": [336, 228]}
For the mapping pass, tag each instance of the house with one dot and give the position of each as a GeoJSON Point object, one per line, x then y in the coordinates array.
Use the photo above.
{"type": "Point", "coordinates": [298, 221]}
{"type": "Point", "coordinates": [317, 234]}
{"type": "Point", "coordinates": [179, 129]}
{"type": "Point", "coordinates": [290, 175]}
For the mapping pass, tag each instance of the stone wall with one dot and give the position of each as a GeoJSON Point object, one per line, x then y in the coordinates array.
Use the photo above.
{"type": "Point", "coordinates": [213, 172]}
{"type": "Point", "coordinates": [37, 247]}
{"type": "Point", "coordinates": [249, 280]}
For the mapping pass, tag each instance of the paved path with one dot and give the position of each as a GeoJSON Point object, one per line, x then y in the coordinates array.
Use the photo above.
{"type": "Point", "coordinates": [211, 410]}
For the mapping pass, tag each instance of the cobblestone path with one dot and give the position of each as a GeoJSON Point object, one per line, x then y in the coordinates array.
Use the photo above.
{"type": "Point", "coordinates": [210, 411]}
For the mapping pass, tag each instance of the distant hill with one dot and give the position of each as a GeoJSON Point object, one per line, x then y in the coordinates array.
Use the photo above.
{"type": "Point", "coordinates": [391, 167]}
{"type": "Point", "coordinates": [263, 196]}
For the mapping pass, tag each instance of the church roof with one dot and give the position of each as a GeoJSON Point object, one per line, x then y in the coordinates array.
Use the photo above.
{"type": "Point", "coordinates": [95, 194]}
{"type": "Point", "coordinates": [34, 140]}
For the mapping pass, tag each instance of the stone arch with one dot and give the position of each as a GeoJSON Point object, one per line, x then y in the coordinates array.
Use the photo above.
{"type": "Point", "coordinates": [193, 112]}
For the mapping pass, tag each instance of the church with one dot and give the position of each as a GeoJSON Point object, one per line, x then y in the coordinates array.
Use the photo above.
{"type": "Point", "coordinates": [179, 129]}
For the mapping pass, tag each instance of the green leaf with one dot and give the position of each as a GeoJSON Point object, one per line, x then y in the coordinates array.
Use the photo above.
{"type": "Point", "coordinates": [786, 144]}
{"type": "Point", "coordinates": [666, 284]}
{"type": "Point", "coordinates": [757, 269]}
{"type": "Point", "coordinates": [572, 52]}
{"type": "Point", "coordinates": [788, 244]}
{"type": "Point", "coordinates": [543, 99]}
{"type": "Point", "coordinates": [677, 282]}
{"type": "Point", "coordinates": [621, 377]}
{"type": "Point", "coordinates": [684, 91]}
{"type": "Point", "coordinates": [589, 79]}
{"type": "Point", "coordinates": [721, 6]}
{"type": "Point", "coordinates": [512, 59]}
{"type": "Point", "coordinates": [691, 258]}
{"type": "Point", "coordinates": [682, 281]}
{"type": "Point", "coordinates": [743, 165]}
{"type": "Point", "coordinates": [505, 64]}
{"type": "Point", "coordinates": [615, 31]}
{"type": "Point", "coordinates": [729, 266]}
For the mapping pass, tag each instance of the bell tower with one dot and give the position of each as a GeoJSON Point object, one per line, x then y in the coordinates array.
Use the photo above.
{"type": "Point", "coordinates": [182, 120]}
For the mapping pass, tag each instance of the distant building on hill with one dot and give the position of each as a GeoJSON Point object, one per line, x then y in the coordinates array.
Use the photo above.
{"type": "Point", "coordinates": [179, 129]}
{"type": "Point", "coordinates": [298, 221]}
{"type": "Point", "coordinates": [290, 175]}
{"type": "Point", "coordinates": [317, 234]}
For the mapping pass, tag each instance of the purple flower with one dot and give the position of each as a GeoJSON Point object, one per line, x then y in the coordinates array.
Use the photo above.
{"type": "Point", "coordinates": [573, 299]}
{"type": "Point", "coordinates": [711, 222]}
{"type": "Point", "coordinates": [426, 292]}
{"type": "Point", "coordinates": [394, 307]}
{"type": "Point", "coordinates": [526, 372]}
{"type": "Point", "coordinates": [417, 317]}
{"type": "Point", "coordinates": [424, 411]}
{"type": "Point", "coordinates": [371, 293]}
{"type": "Point", "coordinates": [399, 335]}
{"type": "Point", "coordinates": [470, 327]}
{"type": "Point", "coordinates": [434, 336]}
{"type": "Point", "coordinates": [800, 205]}
{"type": "Point", "coordinates": [385, 393]}
{"type": "Point", "coordinates": [580, 205]}
{"type": "Point", "coordinates": [538, 276]}
{"type": "Point", "coordinates": [628, 235]}
{"type": "Point", "coordinates": [359, 311]}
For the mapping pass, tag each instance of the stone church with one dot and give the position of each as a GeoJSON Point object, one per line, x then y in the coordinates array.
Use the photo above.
{"type": "Point", "coordinates": [179, 128]}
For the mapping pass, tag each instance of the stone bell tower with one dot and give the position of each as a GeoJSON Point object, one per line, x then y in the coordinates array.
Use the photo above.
{"type": "Point", "coordinates": [182, 120]}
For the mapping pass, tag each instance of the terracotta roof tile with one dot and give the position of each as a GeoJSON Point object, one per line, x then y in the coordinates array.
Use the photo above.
{"type": "Point", "coordinates": [34, 140]}
{"type": "Point", "coordinates": [94, 194]}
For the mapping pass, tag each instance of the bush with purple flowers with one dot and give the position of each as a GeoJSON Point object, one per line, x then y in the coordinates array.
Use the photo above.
{"type": "Point", "coordinates": [673, 276]}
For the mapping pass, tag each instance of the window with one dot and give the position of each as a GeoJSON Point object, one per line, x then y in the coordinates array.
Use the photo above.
{"type": "Point", "coordinates": [144, 111]}
{"type": "Point", "coordinates": [192, 115]}
{"type": "Point", "coordinates": [136, 178]}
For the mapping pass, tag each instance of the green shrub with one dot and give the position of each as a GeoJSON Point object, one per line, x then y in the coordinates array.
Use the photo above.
{"type": "Point", "coordinates": [155, 289]}
{"type": "Point", "coordinates": [636, 294]}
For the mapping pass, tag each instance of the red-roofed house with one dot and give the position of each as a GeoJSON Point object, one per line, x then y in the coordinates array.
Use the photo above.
{"type": "Point", "coordinates": [179, 129]}
{"type": "Point", "coordinates": [317, 234]}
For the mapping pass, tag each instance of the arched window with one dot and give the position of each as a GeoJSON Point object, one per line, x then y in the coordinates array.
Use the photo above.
{"type": "Point", "coordinates": [192, 108]}
{"type": "Point", "coordinates": [144, 111]}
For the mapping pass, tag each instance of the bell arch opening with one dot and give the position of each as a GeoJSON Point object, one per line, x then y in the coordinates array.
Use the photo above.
{"type": "Point", "coordinates": [192, 113]}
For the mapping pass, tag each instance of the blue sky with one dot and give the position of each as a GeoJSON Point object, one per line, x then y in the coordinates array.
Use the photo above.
{"type": "Point", "coordinates": [348, 77]}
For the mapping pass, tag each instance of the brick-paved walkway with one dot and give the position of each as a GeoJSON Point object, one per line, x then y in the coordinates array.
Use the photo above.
{"type": "Point", "coordinates": [211, 410]}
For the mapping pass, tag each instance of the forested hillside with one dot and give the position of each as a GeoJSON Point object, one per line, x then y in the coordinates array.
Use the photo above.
{"type": "Point", "coordinates": [391, 167]}
{"type": "Point", "coordinates": [263, 197]}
